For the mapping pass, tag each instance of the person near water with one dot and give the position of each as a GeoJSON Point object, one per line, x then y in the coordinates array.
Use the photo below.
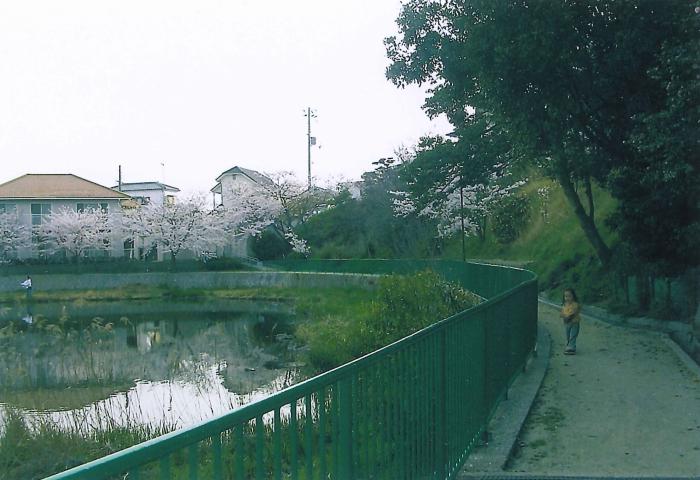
{"type": "Point", "coordinates": [571, 314]}
{"type": "Point", "coordinates": [27, 284]}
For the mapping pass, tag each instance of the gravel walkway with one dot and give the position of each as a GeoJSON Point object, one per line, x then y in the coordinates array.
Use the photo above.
{"type": "Point", "coordinates": [625, 405]}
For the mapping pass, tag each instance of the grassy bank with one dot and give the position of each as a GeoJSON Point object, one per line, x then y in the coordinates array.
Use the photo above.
{"type": "Point", "coordinates": [552, 244]}
{"type": "Point", "coordinates": [165, 293]}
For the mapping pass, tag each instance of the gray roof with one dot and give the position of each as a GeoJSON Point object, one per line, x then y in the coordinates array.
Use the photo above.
{"type": "Point", "coordinates": [257, 177]}
{"type": "Point", "coordinates": [136, 186]}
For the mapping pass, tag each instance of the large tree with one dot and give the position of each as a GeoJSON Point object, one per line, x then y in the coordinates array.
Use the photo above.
{"type": "Point", "coordinates": [562, 80]}
{"type": "Point", "coordinates": [659, 189]}
{"type": "Point", "coordinates": [174, 228]}
{"type": "Point", "coordinates": [76, 232]}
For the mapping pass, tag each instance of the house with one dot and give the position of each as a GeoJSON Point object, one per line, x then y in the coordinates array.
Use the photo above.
{"type": "Point", "coordinates": [235, 179]}
{"type": "Point", "coordinates": [148, 192]}
{"type": "Point", "coordinates": [231, 183]}
{"type": "Point", "coordinates": [34, 196]}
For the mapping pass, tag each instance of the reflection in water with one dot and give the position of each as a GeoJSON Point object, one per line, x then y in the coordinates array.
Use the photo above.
{"type": "Point", "coordinates": [173, 369]}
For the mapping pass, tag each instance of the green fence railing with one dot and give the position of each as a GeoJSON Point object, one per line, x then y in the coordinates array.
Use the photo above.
{"type": "Point", "coordinates": [413, 409]}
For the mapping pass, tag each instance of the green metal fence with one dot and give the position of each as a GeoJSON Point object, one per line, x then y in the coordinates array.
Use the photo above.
{"type": "Point", "coordinates": [413, 409]}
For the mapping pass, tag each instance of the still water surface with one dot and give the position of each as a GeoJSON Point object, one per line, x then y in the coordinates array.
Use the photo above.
{"type": "Point", "coordinates": [96, 365]}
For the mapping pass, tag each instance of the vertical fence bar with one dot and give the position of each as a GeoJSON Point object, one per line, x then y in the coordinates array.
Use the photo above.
{"type": "Point", "coordinates": [382, 419]}
{"type": "Point", "coordinates": [335, 416]}
{"type": "Point", "coordinates": [395, 414]}
{"type": "Point", "coordinates": [165, 468]}
{"type": "Point", "coordinates": [277, 445]}
{"type": "Point", "coordinates": [294, 440]}
{"type": "Point", "coordinates": [345, 456]}
{"type": "Point", "coordinates": [193, 461]}
{"type": "Point", "coordinates": [356, 437]}
{"type": "Point", "coordinates": [442, 406]}
{"type": "Point", "coordinates": [322, 432]}
{"type": "Point", "coordinates": [259, 447]}
{"type": "Point", "coordinates": [308, 431]}
{"type": "Point", "coordinates": [216, 451]}
{"type": "Point", "coordinates": [239, 450]}
{"type": "Point", "coordinates": [411, 427]}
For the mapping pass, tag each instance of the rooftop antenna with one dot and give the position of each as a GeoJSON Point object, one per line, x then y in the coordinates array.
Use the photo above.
{"type": "Point", "coordinates": [120, 179]}
{"type": "Point", "coordinates": [162, 172]}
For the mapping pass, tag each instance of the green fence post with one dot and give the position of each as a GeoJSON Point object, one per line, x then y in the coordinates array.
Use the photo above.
{"type": "Point", "coordinates": [345, 470]}
{"type": "Point", "coordinates": [442, 453]}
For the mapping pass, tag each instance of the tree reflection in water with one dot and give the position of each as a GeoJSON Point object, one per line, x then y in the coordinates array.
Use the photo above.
{"type": "Point", "coordinates": [174, 368]}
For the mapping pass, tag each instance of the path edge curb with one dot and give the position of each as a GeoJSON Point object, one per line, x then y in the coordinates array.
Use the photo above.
{"type": "Point", "coordinates": [508, 420]}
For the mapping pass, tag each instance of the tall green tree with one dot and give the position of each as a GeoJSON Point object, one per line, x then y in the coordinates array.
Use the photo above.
{"type": "Point", "coordinates": [659, 189]}
{"type": "Point", "coordinates": [563, 80]}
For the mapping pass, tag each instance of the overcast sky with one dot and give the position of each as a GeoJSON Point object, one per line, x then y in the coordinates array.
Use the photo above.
{"type": "Point", "coordinates": [200, 86]}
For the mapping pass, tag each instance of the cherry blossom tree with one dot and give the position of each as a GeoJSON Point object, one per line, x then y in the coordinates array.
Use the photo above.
{"type": "Point", "coordinates": [280, 203]}
{"type": "Point", "coordinates": [455, 206]}
{"type": "Point", "coordinates": [174, 228]}
{"type": "Point", "coordinates": [13, 235]}
{"type": "Point", "coordinates": [76, 232]}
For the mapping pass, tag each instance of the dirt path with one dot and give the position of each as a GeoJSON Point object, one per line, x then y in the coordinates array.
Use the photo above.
{"type": "Point", "coordinates": [624, 405]}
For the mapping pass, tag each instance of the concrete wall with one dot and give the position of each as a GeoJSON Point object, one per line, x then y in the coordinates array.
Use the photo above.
{"type": "Point", "coordinates": [97, 281]}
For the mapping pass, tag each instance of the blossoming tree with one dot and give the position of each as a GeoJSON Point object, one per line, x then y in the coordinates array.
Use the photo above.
{"type": "Point", "coordinates": [76, 232]}
{"type": "Point", "coordinates": [13, 235]}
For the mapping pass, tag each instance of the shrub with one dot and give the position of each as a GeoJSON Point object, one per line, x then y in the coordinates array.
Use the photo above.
{"type": "Point", "coordinates": [269, 245]}
{"type": "Point", "coordinates": [404, 305]}
{"type": "Point", "coordinates": [223, 264]}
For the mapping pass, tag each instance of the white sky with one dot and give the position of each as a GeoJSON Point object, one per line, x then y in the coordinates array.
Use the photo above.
{"type": "Point", "coordinates": [201, 85]}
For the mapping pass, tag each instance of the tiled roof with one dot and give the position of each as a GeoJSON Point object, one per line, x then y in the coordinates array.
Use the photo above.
{"type": "Point", "coordinates": [252, 174]}
{"type": "Point", "coordinates": [56, 186]}
{"type": "Point", "coordinates": [134, 186]}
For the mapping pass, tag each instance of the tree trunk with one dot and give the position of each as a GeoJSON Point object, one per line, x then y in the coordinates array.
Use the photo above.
{"type": "Point", "coordinates": [587, 223]}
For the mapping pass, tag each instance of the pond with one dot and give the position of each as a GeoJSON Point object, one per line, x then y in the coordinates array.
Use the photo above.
{"type": "Point", "coordinates": [96, 365]}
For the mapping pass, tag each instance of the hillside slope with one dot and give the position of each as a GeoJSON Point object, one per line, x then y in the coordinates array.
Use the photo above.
{"type": "Point", "coordinates": [552, 244]}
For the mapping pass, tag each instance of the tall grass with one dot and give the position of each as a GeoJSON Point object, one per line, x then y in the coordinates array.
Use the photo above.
{"type": "Point", "coordinates": [35, 447]}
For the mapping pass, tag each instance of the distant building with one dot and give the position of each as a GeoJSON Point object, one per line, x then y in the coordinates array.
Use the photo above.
{"type": "Point", "coordinates": [231, 183]}
{"type": "Point", "coordinates": [33, 197]}
{"type": "Point", "coordinates": [148, 192]}
{"type": "Point", "coordinates": [234, 179]}
{"type": "Point", "coordinates": [354, 188]}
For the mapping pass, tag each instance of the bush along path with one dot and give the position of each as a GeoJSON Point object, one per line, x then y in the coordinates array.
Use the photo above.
{"type": "Point", "coordinates": [625, 405]}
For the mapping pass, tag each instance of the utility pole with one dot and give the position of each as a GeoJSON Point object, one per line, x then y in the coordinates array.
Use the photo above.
{"type": "Point", "coordinates": [310, 141]}
{"type": "Point", "coordinates": [461, 218]}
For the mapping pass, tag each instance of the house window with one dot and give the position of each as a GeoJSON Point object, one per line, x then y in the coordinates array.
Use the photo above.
{"type": "Point", "coordinates": [81, 207]}
{"type": "Point", "coordinates": [39, 212]}
{"type": "Point", "coordinates": [8, 208]}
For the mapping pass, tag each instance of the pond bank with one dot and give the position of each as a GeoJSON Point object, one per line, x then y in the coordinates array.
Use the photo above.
{"type": "Point", "coordinates": [208, 280]}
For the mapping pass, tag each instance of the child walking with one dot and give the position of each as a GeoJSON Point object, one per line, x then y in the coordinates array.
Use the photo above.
{"type": "Point", "coordinates": [571, 314]}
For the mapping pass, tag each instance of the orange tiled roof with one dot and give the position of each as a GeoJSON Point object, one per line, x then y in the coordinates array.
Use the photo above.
{"type": "Point", "coordinates": [56, 186]}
